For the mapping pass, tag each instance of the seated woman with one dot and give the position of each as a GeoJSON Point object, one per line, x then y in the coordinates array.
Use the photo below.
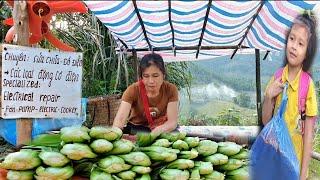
{"type": "Point", "coordinates": [151, 104]}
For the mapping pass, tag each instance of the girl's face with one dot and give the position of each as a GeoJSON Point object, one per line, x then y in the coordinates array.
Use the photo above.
{"type": "Point", "coordinates": [152, 78]}
{"type": "Point", "coordinates": [297, 45]}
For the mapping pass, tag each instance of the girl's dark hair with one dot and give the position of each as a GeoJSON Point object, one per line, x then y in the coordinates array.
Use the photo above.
{"type": "Point", "coordinates": [309, 20]}
{"type": "Point", "coordinates": [151, 59]}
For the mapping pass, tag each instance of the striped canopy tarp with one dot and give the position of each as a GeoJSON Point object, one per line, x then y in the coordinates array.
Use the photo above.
{"type": "Point", "coordinates": [191, 30]}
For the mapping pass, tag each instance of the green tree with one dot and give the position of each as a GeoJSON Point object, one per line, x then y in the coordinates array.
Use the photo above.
{"type": "Point", "coordinates": [242, 100]}
{"type": "Point", "coordinates": [5, 12]}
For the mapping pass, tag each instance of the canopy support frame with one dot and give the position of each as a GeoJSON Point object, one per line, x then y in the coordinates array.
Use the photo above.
{"type": "Point", "coordinates": [188, 48]}
{"type": "Point", "coordinates": [123, 43]}
{"type": "Point", "coordinates": [141, 24]}
{"type": "Point", "coordinates": [172, 30]}
{"type": "Point", "coordinates": [204, 27]}
{"type": "Point", "coordinates": [266, 55]}
{"type": "Point", "coordinates": [248, 29]}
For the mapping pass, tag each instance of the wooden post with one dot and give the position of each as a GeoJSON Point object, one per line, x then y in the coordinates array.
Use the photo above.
{"type": "Point", "coordinates": [135, 65]}
{"type": "Point", "coordinates": [21, 26]}
{"type": "Point", "coordinates": [0, 76]}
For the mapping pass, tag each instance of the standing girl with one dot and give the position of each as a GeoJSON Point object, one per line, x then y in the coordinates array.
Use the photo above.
{"type": "Point", "coordinates": [301, 45]}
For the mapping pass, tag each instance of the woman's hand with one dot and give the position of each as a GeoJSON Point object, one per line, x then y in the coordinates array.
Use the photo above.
{"type": "Point", "coordinates": [122, 115]}
{"type": "Point", "coordinates": [274, 89]}
{"type": "Point", "coordinates": [171, 123]}
{"type": "Point", "coordinates": [157, 130]}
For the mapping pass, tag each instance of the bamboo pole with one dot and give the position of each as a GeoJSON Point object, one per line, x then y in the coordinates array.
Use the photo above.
{"type": "Point", "coordinates": [21, 26]}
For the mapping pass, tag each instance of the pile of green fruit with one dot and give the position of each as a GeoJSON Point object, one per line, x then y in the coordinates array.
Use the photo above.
{"type": "Point", "coordinates": [100, 153]}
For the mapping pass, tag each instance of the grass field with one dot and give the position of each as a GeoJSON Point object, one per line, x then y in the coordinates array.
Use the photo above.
{"type": "Point", "coordinates": [208, 112]}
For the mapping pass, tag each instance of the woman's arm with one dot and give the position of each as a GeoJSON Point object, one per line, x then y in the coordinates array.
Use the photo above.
{"type": "Point", "coordinates": [171, 123]}
{"type": "Point", "coordinates": [307, 146]}
{"type": "Point", "coordinates": [122, 115]}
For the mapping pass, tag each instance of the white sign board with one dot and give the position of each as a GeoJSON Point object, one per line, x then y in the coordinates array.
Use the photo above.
{"type": "Point", "coordinates": [39, 83]}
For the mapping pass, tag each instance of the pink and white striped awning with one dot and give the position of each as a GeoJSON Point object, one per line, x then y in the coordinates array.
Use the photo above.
{"type": "Point", "coordinates": [198, 30]}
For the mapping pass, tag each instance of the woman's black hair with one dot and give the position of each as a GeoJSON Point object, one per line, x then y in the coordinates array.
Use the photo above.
{"type": "Point", "coordinates": [151, 59]}
{"type": "Point", "coordinates": [308, 19]}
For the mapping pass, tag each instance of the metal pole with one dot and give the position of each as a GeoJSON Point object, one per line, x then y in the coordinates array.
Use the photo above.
{"type": "Point", "coordinates": [258, 87]}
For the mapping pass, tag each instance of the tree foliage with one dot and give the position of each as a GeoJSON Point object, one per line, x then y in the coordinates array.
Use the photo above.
{"type": "Point", "coordinates": [243, 100]}
{"type": "Point", "coordinates": [104, 71]}
{"type": "Point", "coordinates": [5, 13]}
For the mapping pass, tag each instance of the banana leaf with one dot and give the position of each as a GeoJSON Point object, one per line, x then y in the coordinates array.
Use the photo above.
{"type": "Point", "coordinates": [146, 139]}
{"type": "Point", "coordinates": [48, 140]}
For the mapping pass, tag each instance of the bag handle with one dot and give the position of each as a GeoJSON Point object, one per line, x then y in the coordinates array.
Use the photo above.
{"type": "Point", "coordinates": [144, 98]}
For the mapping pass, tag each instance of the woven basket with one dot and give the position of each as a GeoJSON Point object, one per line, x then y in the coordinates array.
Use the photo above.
{"type": "Point", "coordinates": [114, 103]}
{"type": "Point", "coordinates": [103, 109]}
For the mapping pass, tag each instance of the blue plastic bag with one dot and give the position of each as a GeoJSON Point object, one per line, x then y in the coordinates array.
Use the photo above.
{"type": "Point", "coordinates": [41, 125]}
{"type": "Point", "coordinates": [272, 154]}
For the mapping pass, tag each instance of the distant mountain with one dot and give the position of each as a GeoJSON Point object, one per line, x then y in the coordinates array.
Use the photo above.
{"type": "Point", "coordinates": [239, 72]}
